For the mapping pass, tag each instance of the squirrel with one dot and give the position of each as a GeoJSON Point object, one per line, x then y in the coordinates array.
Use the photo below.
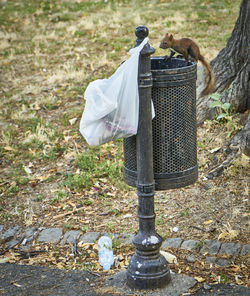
{"type": "Point", "coordinates": [188, 47]}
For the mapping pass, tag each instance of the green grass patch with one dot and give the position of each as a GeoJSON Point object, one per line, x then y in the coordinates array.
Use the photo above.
{"type": "Point", "coordinates": [13, 12]}
{"type": "Point", "coordinates": [95, 165]}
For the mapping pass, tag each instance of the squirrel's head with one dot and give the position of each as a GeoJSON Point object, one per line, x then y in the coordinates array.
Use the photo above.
{"type": "Point", "coordinates": [166, 42]}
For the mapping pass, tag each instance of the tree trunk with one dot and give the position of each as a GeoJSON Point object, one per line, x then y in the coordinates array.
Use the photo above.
{"type": "Point", "coordinates": [232, 74]}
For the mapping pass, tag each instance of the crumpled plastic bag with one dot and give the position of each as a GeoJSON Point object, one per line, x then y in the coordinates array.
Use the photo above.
{"type": "Point", "coordinates": [112, 105]}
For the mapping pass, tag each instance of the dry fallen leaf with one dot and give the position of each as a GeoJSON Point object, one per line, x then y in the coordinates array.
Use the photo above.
{"type": "Point", "coordinates": [208, 222]}
{"type": "Point", "coordinates": [239, 282]}
{"type": "Point", "coordinates": [223, 235]}
{"type": "Point", "coordinates": [85, 245]}
{"type": "Point", "coordinates": [228, 235]}
{"type": "Point", "coordinates": [215, 150]}
{"type": "Point", "coordinates": [4, 260]}
{"type": "Point", "coordinates": [17, 285]}
{"type": "Point", "coordinates": [199, 279]}
{"type": "Point", "coordinates": [235, 268]}
{"type": "Point", "coordinates": [43, 178]}
{"type": "Point", "coordinates": [27, 170]}
{"type": "Point", "coordinates": [72, 121]}
{"type": "Point", "coordinates": [169, 257]}
{"type": "Point", "coordinates": [8, 148]}
{"type": "Point", "coordinates": [67, 138]}
{"type": "Point", "coordinates": [122, 264]}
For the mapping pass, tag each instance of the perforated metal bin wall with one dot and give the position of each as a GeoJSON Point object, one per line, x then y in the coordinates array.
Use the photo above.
{"type": "Point", "coordinates": [174, 127]}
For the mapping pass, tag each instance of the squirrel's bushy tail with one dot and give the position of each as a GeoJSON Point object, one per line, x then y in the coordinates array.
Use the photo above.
{"type": "Point", "coordinates": [209, 80]}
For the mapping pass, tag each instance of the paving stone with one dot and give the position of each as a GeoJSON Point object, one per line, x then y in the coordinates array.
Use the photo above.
{"type": "Point", "coordinates": [1, 228]}
{"type": "Point", "coordinates": [230, 249]}
{"type": "Point", "coordinates": [89, 237]}
{"type": "Point", "coordinates": [211, 247]}
{"type": "Point", "coordinates": [223, 290]}
{"type": "Point", "coordinates": [223, 262]}
{"type": "Point", "coordinates": [12, 243]}
{"type": "Point", "coordinates": [30, 234]}
{"type": "Point", "coordinates": [10, 233]}
{"type": "Point", "coordinates": [245, 250]}
{"type": "Point", "coordinates": [30, 231]}
{"type": "Point", "coordinates": [190, 259]}
{"type": "Point", "coordinates": [111, 235]}
{"type": "Point", "coordinates": [191, 245]}
{"type": "Point", "coordinates": [210, 259]}
{"type": "Point", "coordinates": [172, 243]}
{"type": "Point", "coordinates": [126, 238]}
{"type": "Point", "coordinates": [70, 237]}
{"type": "Point", "coordinates": [50, 235]}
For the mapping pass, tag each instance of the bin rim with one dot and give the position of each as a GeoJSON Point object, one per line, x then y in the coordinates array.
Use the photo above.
{"type": "Point", "coordinates": [189, 68]}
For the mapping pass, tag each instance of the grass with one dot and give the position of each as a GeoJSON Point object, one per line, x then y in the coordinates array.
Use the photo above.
{"type": "Point", "coordinates": [49, 52]}
{"type": "Point", "coordinates": [96, 166]}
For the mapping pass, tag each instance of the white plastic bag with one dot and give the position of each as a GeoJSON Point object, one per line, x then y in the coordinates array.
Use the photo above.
{"type": "Point", "coordinates": [112, 105]}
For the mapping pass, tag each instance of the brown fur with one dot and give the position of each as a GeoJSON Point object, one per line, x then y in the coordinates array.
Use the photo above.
{"type": "Point", "coordinates": [188, 47]}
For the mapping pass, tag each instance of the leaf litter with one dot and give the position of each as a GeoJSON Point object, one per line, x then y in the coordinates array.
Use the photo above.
{"type": "Point", "coordinates": [44, 181]}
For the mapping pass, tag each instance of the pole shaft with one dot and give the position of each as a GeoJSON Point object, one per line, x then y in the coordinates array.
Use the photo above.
{"type": "Point", "coordinates": [147, 269]}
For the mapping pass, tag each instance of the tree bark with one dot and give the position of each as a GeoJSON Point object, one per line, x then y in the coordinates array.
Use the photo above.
{"type": "Point", "coordinates": [232, 74]}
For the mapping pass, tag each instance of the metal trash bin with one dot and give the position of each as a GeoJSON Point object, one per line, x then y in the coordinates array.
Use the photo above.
{"type": "Point", "coordinates": [174, 126]}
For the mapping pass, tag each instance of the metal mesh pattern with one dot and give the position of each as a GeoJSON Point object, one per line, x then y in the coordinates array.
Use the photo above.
{"type": "Point", "coordinates": [174, 127]}
{"type": "Point", "coordinates": [129, 147]}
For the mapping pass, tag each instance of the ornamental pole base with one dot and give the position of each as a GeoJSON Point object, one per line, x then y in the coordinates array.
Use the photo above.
{"type": "Point", "coordinates": [148, 273]}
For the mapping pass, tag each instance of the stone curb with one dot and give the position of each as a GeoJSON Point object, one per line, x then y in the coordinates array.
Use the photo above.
{"type": "Point", "coordinates": [210, 248]}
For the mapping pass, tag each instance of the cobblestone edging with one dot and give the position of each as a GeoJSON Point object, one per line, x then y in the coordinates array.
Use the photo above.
{"type": "Point", "coordinates": [212, 249]}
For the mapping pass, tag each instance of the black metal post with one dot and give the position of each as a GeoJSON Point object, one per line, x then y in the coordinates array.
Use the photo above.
{"type": "Point", "coordinates": [148, 269]}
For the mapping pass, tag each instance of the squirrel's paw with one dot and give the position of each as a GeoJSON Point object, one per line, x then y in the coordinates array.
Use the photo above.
{"type": "Point", "coordinates": [166, 57]}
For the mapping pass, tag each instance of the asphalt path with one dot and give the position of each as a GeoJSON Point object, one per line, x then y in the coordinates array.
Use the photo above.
{"type": "Point", "coordinates": [28, 280]}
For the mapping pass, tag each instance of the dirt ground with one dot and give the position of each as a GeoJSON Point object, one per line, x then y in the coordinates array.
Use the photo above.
{"type": "Point", "coordinates": [49, 177]}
